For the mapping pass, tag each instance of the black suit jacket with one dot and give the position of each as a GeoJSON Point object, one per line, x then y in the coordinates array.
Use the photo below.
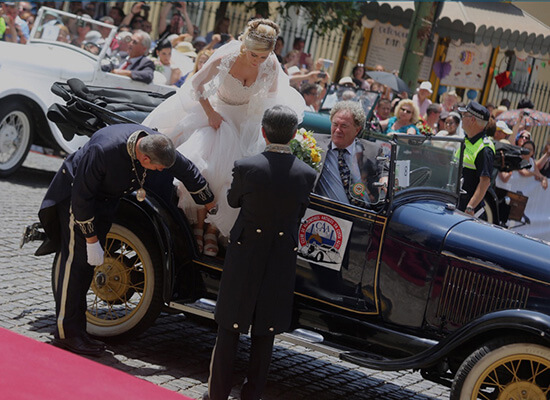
{"type": "Point", "coordinates": [272, 190]}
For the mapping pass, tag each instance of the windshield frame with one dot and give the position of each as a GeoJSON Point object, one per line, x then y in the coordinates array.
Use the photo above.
{"type": "Point", "coordinates": [38, 25]}
{"type": "Point", "coordinates": [421, 140]}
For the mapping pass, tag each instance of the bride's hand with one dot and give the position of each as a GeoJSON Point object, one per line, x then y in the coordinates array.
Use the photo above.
{"type": "Point", "coordinates": [214, 120]}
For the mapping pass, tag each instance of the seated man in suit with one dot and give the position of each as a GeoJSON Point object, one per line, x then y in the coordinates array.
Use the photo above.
{"type": "Point", "coordinates": [138, 66]}
{"type": "Point", "coordinates": [344, 164]}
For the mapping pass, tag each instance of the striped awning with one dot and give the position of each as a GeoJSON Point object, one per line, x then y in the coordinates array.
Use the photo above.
{"type": "Point", "coordinates": [489, 23]}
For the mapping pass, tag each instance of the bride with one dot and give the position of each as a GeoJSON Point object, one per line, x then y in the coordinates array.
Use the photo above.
{"type": "Point", "coordinates": [214, 119]}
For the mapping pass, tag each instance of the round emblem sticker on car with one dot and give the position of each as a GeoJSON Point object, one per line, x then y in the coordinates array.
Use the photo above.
{"type": "Point", "coordinates": [323, 239]}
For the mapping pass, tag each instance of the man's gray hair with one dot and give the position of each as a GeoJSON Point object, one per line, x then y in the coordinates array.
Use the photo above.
{"type": "Point", "coordinates": [355, 109]}
{"type": "Point", "coordinates": [159, 148]}
{"type": "Point", "coordinates": [279, 123]}
{"type": "Point", "coordinates": [145, 39]}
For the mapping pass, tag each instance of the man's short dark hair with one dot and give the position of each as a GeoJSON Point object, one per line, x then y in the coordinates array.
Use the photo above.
{"type": "Point", "coordinates": [525, 103]}
{"type": "Point", "coordinates": [279, 123]}
{"type": "Point", "coordinates": [505, 102]}
{"type": "Point", "coordinates": [159, 148]}
{"type": "Point", "coordinates": [308, 88]}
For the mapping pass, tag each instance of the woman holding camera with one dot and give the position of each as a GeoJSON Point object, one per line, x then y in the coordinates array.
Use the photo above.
{"type": "Point", "coordinates": [215, 118]}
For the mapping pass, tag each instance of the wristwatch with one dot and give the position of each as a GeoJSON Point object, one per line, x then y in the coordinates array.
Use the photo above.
{"type": "Point", "coordinates": [470, 209]}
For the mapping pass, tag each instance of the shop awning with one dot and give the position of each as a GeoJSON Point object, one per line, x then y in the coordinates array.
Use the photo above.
{"type": "Point", "coordinates": [489, 23]}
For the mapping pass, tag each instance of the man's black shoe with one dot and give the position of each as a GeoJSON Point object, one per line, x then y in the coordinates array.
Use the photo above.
{"type": "Point", "coordinates": [94, 342]}
{"type": "Point", "coordinates": [79, 346]}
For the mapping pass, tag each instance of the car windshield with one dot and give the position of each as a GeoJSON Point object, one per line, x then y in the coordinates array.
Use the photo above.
{"type": "Point", "coordinates": [55, 26]}
{"type": "Point", "coordinates": [426, 162]}
{"type": "Point", "coordinates": [337, 93]}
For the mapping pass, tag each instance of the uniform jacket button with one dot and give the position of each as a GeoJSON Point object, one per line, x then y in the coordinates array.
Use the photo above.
{"type": "Point", "coordinates": [238, 242]}
{"type": "Point", "coordinates": [228, 240]}
{"type": "Point", "coordinates": [281, 233]}
{"type": "Point", "coordinates": [271, 329]}
{"type": "Point", "coordinates": [296, 249]}
{"type": "Point", "coordinates": [236, 326]}
{"type": "Point", "coordinates": [259, 230]}
{"type": "Point", "coordinates": [64, 171]}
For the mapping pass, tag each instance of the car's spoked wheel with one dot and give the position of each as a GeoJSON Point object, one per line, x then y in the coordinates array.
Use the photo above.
{"type": "Point", "coordinates": [15, 137]}
{"type": "Point", "coordinates": [504, 370]}
{"type": "Point", "coordinates": [125, 294]}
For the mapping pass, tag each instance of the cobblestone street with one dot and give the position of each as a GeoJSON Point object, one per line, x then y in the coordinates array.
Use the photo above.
{"type": "Point", "coordinates": [175, 352]}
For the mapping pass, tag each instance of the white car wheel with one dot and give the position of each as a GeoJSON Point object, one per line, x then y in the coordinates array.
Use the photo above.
{"type": "Point", "coordinates": [15, 137]}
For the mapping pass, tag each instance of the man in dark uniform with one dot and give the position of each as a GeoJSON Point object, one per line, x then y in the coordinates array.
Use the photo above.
{"type": "Point", "coordinates": [257, 285]}
{"type": "Point", "coordinates": [80, 204]}
{"type": "Point", "coordinates": [478, 157]}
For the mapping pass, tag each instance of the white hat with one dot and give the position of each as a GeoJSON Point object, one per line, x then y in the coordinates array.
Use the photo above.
{"type": "Point", "coordinates": [293, 70]}
{"type": "Point", "coordinates": [425, 85]}
{"type": "Point", "coordinates": [503, 127]}
{"type": "Point", "coordinates": [186, 48]}
{"type": "Point", "coordinates": [346, 80]}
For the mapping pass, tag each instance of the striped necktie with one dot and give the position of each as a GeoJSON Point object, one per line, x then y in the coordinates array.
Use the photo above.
{"type": "Point", "coordinates": [345, 175]}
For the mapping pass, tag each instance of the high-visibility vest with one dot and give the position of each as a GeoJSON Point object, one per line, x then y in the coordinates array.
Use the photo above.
{"type": "Point", "coordinates": [471, 150]}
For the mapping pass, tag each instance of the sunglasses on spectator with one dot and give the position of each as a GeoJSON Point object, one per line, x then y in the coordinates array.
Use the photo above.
{"type": "Point", "coordinates": [406, 110]}
{"type": "Point", "coordinates": [524, 137]}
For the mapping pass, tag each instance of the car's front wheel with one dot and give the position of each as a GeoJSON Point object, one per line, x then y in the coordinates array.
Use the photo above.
{"type": "Point", "coordinates": [506, 368]}
{"type": "Point", "coordinates": [16, 130]}
{"type": "Point", "coordinates": [125, 296]}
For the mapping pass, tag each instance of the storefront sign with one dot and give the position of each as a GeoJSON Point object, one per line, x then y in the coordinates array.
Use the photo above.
{"type": "Point", "coordinates": [386, 48]}
{"type": "Point", "coordinates": [469, 63]}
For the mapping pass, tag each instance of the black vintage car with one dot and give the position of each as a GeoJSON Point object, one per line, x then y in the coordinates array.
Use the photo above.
{"type": "Point", "coordinates": [408, 282]}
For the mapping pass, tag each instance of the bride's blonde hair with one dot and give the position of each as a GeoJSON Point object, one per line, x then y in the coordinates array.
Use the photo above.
{"type": "Point", "coordinates": [260, 35]}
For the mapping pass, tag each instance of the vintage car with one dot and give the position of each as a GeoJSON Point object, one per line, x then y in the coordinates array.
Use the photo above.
{"type": "Point", "coordinates": [416, 283]}
{"type": "Point", "coordinates": [28, 71]}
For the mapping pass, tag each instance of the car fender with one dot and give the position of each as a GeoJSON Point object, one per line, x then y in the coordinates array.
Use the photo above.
{"type": "Point", "coordinates": [506, 322]}
{"type": "Point", "coordinates": [147, 213]}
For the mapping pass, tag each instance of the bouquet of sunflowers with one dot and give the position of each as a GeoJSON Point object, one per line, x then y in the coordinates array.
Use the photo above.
{"type": "Point", "coordinates": [304, 146]}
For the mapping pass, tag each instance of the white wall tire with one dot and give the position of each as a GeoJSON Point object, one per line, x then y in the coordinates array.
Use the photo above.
{"type": "Point", "coordinates": [16, 130]}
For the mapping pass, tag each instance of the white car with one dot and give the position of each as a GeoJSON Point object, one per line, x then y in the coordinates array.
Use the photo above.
{"type": "Point", "coordinates": [27, 73]}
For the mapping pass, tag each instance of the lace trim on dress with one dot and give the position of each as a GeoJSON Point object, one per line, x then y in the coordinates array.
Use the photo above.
{"type": "Point", "coordinates": [266, 77]}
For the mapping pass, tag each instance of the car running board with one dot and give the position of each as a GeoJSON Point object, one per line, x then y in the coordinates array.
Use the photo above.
{"type": "Point", "coordinates": [300, 337]}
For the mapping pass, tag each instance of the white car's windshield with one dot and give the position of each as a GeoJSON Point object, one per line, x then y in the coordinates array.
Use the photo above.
{"type": "Point", "coordinates": [57, 26]}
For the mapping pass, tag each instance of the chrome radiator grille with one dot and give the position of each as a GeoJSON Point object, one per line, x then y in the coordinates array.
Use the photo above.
{"type": "Point", "coordinates": [467, 295]}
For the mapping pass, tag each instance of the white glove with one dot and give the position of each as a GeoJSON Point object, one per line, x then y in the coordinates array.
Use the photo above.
{"type": "Point", "coordinates": [95, 253]}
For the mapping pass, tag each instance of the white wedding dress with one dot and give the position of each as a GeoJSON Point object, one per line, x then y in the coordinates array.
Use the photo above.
{"type": "Point", "coordinates": [214, 152]}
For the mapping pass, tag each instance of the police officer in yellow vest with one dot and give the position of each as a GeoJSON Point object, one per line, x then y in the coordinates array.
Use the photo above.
{"type": "Point", "coordinates": [478, 157]}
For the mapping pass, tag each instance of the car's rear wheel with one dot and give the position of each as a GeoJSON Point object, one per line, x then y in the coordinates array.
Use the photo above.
{"type": "Point", "coordinates": [125, 296]}
{"type": "Point", "coordinates": [506, 368]}
{"type": "Point", "coordinates": [16, 131]}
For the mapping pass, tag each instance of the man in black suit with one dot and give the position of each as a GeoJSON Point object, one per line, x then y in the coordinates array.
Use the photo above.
{"type": "Point", "coordinates": [80, 204]}
{"type": "Point", "coordinates": [272, 189]}
{"type": "Point", "coordinates": [138, 66]}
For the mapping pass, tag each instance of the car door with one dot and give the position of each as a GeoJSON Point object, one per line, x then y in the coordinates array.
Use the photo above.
{"type": "Point", "coordinates": [339, 246]}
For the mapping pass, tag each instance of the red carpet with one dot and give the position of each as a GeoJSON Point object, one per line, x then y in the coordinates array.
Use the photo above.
{"type": "Point", "coordinates": [32, 370]}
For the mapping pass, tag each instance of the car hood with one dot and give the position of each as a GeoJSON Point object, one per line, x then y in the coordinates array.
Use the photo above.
{"type": "Point", "coordinates": [57, 61]}
{"type": "Point", "coordinates": [438, 228]}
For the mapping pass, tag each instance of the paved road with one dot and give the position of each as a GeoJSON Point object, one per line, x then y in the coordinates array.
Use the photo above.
{"type": "Point", "coordinates": [175, 352]}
